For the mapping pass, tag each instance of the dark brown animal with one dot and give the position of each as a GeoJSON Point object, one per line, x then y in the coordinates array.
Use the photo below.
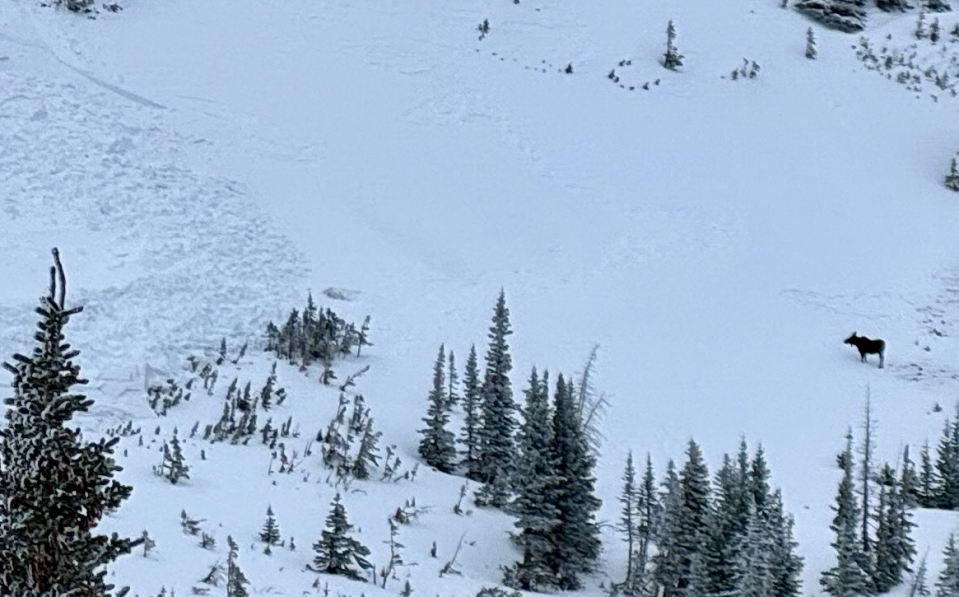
{"type": "Point", "coordinates": [868, 346]}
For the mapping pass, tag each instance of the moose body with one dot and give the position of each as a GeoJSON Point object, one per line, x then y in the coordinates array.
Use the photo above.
{"type": "Point", "coordinates": [868, 346]}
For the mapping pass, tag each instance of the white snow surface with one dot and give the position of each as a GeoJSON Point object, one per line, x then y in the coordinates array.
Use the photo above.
{"type": "Point", "coordinates": [202, 166]}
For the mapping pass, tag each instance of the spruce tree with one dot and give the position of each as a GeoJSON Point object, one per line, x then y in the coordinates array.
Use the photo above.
{"type": "Point", "coordinates": [947, 467]}
{"type": "Point", "coordinates": [727, 528]}
{"type": "Point", "coordinates": [54, 487]}
{"type": "Point", "coordinates": [472, 396]}
{"type": "Point", "coordinates": [667, 561]}
{"type": "Point", "coordinates": [909, 484]}
{"type": "Point", "coordinates": [173, 466]}
{"type": "Point", "coordinates": [497, 426]}
{"type": "Point", "coordinates": [649, 511]}
{"type": "Point", "coordinates": [928, 487]}
{"type": "Point", "coordinates": [536, 495]}
{"type": "Point", "coordinates": [629, 521]}
{"type": "Point", "coordinates": [694, 516]}
{"type": "Point", "coordinates": [918, 586]}
{"type": "Point", "coordinates": [848, 577]}
{"type": "Point", "coordinates": [336, 552]}
{"type": "Point", "coordinates": [577, 535]}
{"type": "Point", "coordinates": [948, 583]}
{"type": "Point", "coordinates": [438, 447]}
{"type": "Point", "coordinates": [785, 566]}
{"type": "Point", "coordinates": [236, 581]}
{"type": "Point", "coordinates": [271, 532]}
{"type": "Point", "coordinates": [895, 549]}
{"type": "Point", "coordinates": [672, 59]}
{"type": "Point", "coordinates": [810, 44]}
{"type": "Point", "coordinates": [753, 577]}
{"type": "Point", "coordinates": [865, 486]}
{"type": "Point", "coordinates": [452, 390]}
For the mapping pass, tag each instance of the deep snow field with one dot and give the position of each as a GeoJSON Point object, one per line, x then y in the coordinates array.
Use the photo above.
{"type": "Point", "coordinates": [203, 165]}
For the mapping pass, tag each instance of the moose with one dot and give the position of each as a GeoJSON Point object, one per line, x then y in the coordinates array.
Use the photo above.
{"type": "Point", "coordinates": [868, 346]}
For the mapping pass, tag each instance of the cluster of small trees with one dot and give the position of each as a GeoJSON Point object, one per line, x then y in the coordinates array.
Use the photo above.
{"type": "Point", "coordinates": [316, 335]}
{"type": "Point", "coordinates": [872, 522]}
{"type": "Point", "coordinates": [688, 537]}
{"type": "Point", "coordinates": [540, 469]}
{"type": "Point", "coordinates": [936, 483]}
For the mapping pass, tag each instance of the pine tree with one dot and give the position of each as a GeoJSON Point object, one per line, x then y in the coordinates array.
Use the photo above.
{"type": "Point", "coordinates": [811, 52]}
{"type": "Point", "coordinates": [928, 487]}
{"type": "Point", "coordinates": [629, 521]}
{"type": "Point", "coordinates": [918, 586]}
{"type": "Point", "coordinates": [694, 514]}
{"type": "Point", "coordinates": [668, 558]}
{"type": "Point", "coordinates": [785, 566]}
{"type": "Point", "coordinates": [497, 426]}
{"type": "Point", "coordinates": [672, 59]}
{"type": "Point", "coordinates": [753, 577]}
{"type": "Point", "coordinates": [847, 578]}
{"type": "Point", "coordinates": [909, 485]}
{"type": "Point", "coordinates": [577, 535]}
{"type": "Point", "coordinates": [536, 494]}
{"type": "Point", "coordinates": [649, 511]}
{"type": "Point", "coordinates": [948, 583]}
{"type": "Point", "coordinates": [952, 179]}
{"type": "Point", "coordinates": [396, 559]}
{"type": "Point", "coordinates": [895, 549]}
{"type": "Point", "coordinates": [173, 466]}
{"type": "Point", "coordinates": [236, 581]}
{"type": "Point", "coordinates": [727, 526]}
{"type": "Point", "coordinates": [368, 454]}
{"type": "Point", "coordinates": [947, 467]}
{"type": "Point", "coordinates": [271, 532]}
{"type": "Point", "coordinates": [865, 486]}
{"type": "Point", "coordinates": [471, 417]}
{"type": "Point", "coordinates": [452, 396]}
{"type": "Point", "coordinates": [54, 487]}
{"type": "Point", "coordinates": [336, 552]}
{"type": "Point", "coordinates": [438, 446]}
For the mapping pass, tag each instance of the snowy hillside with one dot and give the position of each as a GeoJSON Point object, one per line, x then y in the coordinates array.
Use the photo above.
{"type": "Point", "coordinates": [202, 167]}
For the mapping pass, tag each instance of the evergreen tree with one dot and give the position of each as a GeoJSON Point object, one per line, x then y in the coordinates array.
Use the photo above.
{"type": "Point", "coordinates": [909, 484]}
{"type": "Point", "coordinates": [271, 532]}
{"type": "Point", "coordinates": [577, 536]}
{"type": "Point", "coordinates": [694, 515]}
{"type": "Point", "coordinates": [785, 566]}
{"type": "Point", "coordinates": [811, 52]}
{"type": "Point", "coordinates": [497, 426]}
{"type": "Point", "coordinates": [368, 454]}
{"type": "Point", "coordinates": [337, 552]}
{"type": "Point", "coordinates": [537, 492]}
{"type": "Point", "coordinates": [438, 446]}
{"type": "Point", "coordinates": [928, 488]}
{"type": "Point", "coordinates": [865, 486]}
{"type": "Point", "coordinates": [452, 396]}
{"type": "Point", "coordinates": [848, 577]}
{"type": "Point", "coordinates": [672, 59]}
{"type": "Point", "coordinates": [727, 528]}
{"type": "Point", "coordinates": [894, 547]}
{"type": "Point", "coordinates": [173, 467]}
{"type": "Point", "coordinates": [948, 583]}
{"type": "Point", "coordinates": [236, 581]}
{"type": "Point", "coordinates": [918, 586]}
{"type": "Point", "coordinates": [753, 577]}
{"type": "Point", "coordinates": [472, 396]}
{"type": "Point", "coordinates": [649, 511]}
{"type": "Point", "coordinates": [668, 558]}
{"type": "Point", "coordinates": [947, 467]}
{"type": "Point", "coordinates": [952, 179]}
{"type": "Point", "coordinates": [54, 487]}
{"type": "Point", "coordinates": [629, 521]}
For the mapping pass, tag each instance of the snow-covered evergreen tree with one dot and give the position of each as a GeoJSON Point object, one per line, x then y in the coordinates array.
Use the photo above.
{"type": "Point", "coordinates": [271, 531]}
{"type": "Point", "coordinates": [438, 445]}
{"type": "Point", "coordinates": [918, 586]}
{"type": "Point", "coordinates": [54, 487]}
{"type": "Point", "coordinates": [952, 179]}
{"type": "Point", "coordinates": [336, 552]}
{"type": "Point", "coordinates": [236, 581]}
{"type": "Point", "coordinates": [173, 466]}
{"type": "Point", "coordinates": [694, 515]}
{"type": "Point", "coordinates": [785, 566]}
{"type": "Point", "coordinates": [537, 491]}
{"type": "Point", "coordinates": [672, 59]}
{"type": "Point", "coordinates": [472, 397]}
{"type": "Point", "coordinates": [811, 51]}
{"type": "Point", "coordinates": [577, 536]}
{"type": "Point", "coordinates": [894, 546]}
{"type": "Point", "coordinates": [629, 522]}
{"type": "Point", "coordinates": [909, 484]}
{"type": "Point", "coordinates": [727, 528]}
{"type": "Point", "coordinates": [928, 488]}
{"type": "Point", "coordinates": [453, 382]}
{"type": "Point", "coordinates": [866, 475]}
{"type": "Point", "coordinates": [649, 511]}
{"type": "Point", "coordinates": [667, 561]}
{"type": "Point", "coordinates": [948, 583]}
{"type": "Point", "coordinates": [368, 454]}
{"type": "Point", "coordinates": [947, 467]}
{"type": "Point", "coordinates": [847, 578]}
{"type": "Point", "coordinates": [496, 449]}
{"type": "Point", "coordinates": [753, 576]}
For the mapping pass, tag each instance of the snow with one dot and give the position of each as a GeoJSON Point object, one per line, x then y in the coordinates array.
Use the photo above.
{"type": "Point", "coordinates": [202, 166]}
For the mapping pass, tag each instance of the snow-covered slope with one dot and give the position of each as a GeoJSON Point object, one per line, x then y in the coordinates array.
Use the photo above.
{"type": "Point", "coordinates": [202, 165]}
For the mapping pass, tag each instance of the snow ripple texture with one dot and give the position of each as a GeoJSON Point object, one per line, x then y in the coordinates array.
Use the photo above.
{"type": "Point", "coordinates": [164, 258]}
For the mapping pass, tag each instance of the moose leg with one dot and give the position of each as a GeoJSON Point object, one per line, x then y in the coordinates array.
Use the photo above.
{"type": "Point", "coordinates": [862, 357]}
{"type": "Point", "coordinates": [882, 359]}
